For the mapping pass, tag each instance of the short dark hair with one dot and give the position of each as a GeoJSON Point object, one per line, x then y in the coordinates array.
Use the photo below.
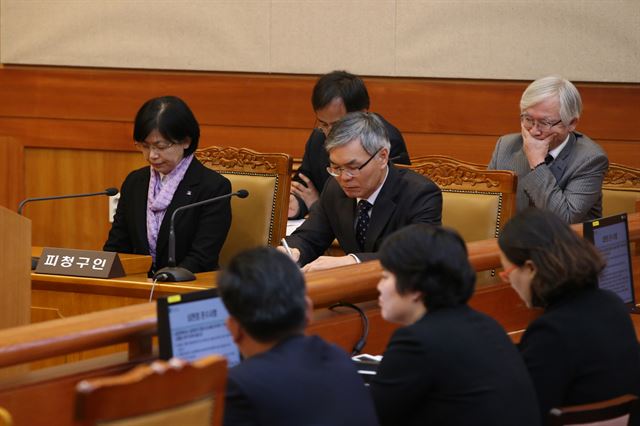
{"type": "Point", "coordinates": [565, 262]}
{"type": "Point", "coordinates": [172, 117]}
{"type": "Point", "coordinates": [264, 290]}
{"type": "Point", "coordinates": [340, 84]}
{"type": "Point", "coordinates": [432, 260]}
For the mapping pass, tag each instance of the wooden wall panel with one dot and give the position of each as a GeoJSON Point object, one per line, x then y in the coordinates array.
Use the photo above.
{"type": "Point", "coordinates": [280, 101]}
{"type": "Point", "coordinates": [11, 172]}
{"type": "Point", "coordinates": [91, 110]}
{"type": "Point", "coordinates": [64, 133]}
{"type": "Point", "coordinates": [76, 223]}
{"type": "Point", "coordinates": [116, 95]}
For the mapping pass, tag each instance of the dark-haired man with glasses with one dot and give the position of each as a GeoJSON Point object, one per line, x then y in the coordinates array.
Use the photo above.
{"type": "Point", "coordinates": [334, 95]}
{"type": "Point", "coordinates": [558, 168]}
{"type": "Point", "coordinates": [365, 200]}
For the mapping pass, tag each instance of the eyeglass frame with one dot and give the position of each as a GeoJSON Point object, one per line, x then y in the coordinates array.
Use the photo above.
{"type": "Point", "coordinates": [543, 125]}
{"type": "Point", "coordinates": [352, 172]}
{"type": "Point", "coordinates": [324, 127]}
{"type": "Point", "coordinates": [146, 146]}
{"type": "Point", "coordinates": [504, 275]}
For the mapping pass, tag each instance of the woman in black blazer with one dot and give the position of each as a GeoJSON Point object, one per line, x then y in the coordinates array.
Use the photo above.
{"type": "Point", "coordinates": [583, 348]}
{"type": "Point", "coordinates": [449, 365]}
{"type": "Point", "coordinates": [167, 134]}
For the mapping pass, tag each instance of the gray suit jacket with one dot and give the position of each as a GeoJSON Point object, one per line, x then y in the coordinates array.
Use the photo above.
{"type": "Point", "coordinates": [571, 186]}
{"type": "Point", "coordinates": [405, 198]}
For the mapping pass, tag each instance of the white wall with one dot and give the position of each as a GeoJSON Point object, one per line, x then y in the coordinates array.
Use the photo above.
{"type": "Point", "coordinates": [584, 40]}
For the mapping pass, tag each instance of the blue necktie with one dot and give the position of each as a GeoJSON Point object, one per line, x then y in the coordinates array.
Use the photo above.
{"type": "Point", "coordinates": [548, 159]}
{"type": "Point", "coordinates": [363, 222]}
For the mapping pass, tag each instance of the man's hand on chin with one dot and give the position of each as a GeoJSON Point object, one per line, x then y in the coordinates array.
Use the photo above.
{"type": "Point", "coordinates": [534, 149]}
{"type": "Point", "coordinates": [328, 262]}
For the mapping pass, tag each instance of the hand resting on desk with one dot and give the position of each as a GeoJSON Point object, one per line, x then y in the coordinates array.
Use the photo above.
{"type": "Point", "coordinates": [328, 262]}
{"type": "Point", "coordinates": [323, 262]}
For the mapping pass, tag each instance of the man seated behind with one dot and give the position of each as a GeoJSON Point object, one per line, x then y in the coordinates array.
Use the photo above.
{"type": "Point", "coordinates": [367, 199]}
{"type": "Point", "coordinates": [334, 95]}
{"type": "Point", "coordinates": [286, 378]}
{"type": "Point", "coordinates": [558, 169]}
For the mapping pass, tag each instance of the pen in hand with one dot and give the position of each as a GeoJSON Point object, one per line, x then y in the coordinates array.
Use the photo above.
{"type": "Point", "coordinates": [286, 247]}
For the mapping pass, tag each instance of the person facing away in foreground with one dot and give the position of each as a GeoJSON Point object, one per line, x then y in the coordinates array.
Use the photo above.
{"type": "Point", "coordinates": [334, 95]}
{"type": "Point", "coordinates": [448, 364]}
{"type": "Point", "coordinates": [166, 133]}
{"type": "Point", "coordinates": [286, 378]}
{"type": "Point", "coordinates": [558, 169]}
{"type": "Point", "coordinates": [365, 201]}
{"type": "Point", "coordinates": [583, 348]}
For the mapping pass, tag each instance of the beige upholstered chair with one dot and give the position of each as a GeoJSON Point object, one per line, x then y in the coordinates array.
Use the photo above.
{"type": "Point", "coordinates": [618, 411]}
{"type": "Point", "coordinates": [261, 218]}
{"type": "Point", "coordinates": [620, 190]}
{"type": "Point", "coordinates": [160, 394]}
{"type": "Point", "coordinates": [476, 202]}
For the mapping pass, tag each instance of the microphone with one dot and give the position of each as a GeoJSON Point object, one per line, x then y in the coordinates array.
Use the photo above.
{"type": "Point", "coordinates": [109, 191]}
{"type": "Point", "coordinates": [171, 272]}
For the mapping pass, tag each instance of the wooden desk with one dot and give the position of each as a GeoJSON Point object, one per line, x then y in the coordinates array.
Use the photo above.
{"type": "Point", "coordinates": [59, 297]}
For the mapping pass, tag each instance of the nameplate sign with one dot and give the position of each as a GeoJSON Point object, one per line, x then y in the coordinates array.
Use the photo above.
{"type": "Point", "coordinates": [80, 263]}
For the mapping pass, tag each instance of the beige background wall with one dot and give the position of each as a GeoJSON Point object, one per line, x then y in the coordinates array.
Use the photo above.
{"type": "Point", "coordinates": [584, 40]}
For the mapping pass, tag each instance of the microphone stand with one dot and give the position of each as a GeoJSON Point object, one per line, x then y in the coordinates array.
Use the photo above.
{"type": "Point", "coordinates": [108, 191]}
{"type": "Point", "coordinates": [173, 273]}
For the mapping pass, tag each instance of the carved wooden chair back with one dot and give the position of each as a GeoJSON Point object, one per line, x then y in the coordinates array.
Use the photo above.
{"type": "Point", "coordinates": [620, 189]}
{"type": "Point", "coordinates": [261, 218]}
{"type": "Point", "coordinates": [163, 393]}
{"type": "Point", "coordinates": [476, 202]}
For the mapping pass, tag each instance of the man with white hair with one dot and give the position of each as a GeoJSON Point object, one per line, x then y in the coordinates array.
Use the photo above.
{"type": "Point", "coordinates": [558, 168]}
{"type": "Point", "coordinates": [365, 201]}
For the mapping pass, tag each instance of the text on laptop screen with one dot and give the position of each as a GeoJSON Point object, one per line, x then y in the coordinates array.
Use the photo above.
{"type": "Point", "coordinates": [197, 329]}
{"type": "Point", "coordinates": [612, 242]}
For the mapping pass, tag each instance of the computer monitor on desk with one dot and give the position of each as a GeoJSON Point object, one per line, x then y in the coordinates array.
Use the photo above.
{"type": "Point", "coordinates": [610, 235]}
{"type": "Point", "coordinates": [192, 325]}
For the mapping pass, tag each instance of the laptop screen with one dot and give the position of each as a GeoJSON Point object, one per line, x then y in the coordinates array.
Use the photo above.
{"type": "Point", "coordinates": [610, 235]}
{"type": "Point", "coordinates": [192, 325]}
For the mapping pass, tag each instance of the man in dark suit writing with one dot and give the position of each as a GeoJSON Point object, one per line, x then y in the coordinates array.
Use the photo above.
{"type": "Point", "coordinates": [286, 378]}
{"type": "Point", "coordinates": [366, 200]}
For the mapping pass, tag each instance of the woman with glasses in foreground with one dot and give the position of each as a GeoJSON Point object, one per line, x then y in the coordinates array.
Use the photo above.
{"type": "Point", "coordinates": [167, 134]}
{"type": "Point", "coordinates": [583, 348]}
{"type": "Point", "coordinates": [449, 364]}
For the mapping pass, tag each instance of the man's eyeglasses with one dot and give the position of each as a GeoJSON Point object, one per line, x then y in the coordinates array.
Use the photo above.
{"type": "Point", "coordinates": [543, 125]}
{"type": "Point", "coordinates": [158, 146]}
{"type": "Point", "coordinates": [324, 127]}
{"type": "Point", "coordinates": [504, 275]}
{"type": "Point", "coordinates": [350, 171]}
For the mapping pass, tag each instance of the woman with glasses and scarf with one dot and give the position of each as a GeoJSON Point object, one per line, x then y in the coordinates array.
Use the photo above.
{"type": "Point", "coordinates": [167, 134]}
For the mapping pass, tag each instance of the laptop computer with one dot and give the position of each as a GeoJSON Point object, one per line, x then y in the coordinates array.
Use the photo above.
{"type": "Point", "coordinates": [610, 235]}
{"type": "Point", "coordinates": [192, 325]}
